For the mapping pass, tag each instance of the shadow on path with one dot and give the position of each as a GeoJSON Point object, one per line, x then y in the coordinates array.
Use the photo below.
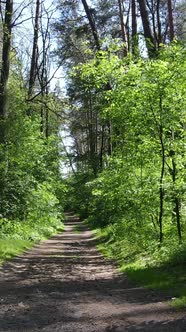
{"type": "Point", "coordinates": [64, 284]}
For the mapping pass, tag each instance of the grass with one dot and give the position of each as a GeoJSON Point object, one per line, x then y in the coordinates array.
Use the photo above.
{"type": "Point", "coordinates": [163, 269]}
{"type": "Point", "coordinates": [161, 278]}
{"type": "Point", "coordinates": [12, 247]}
{"type": "Point", "coordinates": [170, 279]}
{"type": "Point", "coordinates": [14, 241]}
{"type": "Point", "coordinates": [180, 302]}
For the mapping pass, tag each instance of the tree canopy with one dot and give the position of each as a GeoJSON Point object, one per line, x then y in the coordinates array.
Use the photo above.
{"type": "Point", "coordinates": [123, 111]}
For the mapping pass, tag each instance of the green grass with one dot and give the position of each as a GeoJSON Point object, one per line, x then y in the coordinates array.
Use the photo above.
{"type": "Point", "coordinates": [16, 237]}
{"type": "Point", "coordinates": [163, 269]}
{"type": "Point", "coordinates": [167, 278]}
{"type": "Point", "coordinates": [179, 302]}
{"type": "Point", "coordinates": [11, 247]}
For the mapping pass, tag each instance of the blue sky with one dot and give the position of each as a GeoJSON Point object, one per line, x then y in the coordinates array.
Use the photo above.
{"type": "Point", "coordinates": [23, 37]}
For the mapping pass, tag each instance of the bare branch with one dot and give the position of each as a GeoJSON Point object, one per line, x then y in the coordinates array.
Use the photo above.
{"type": "Point", "coordinates": [47, 83]}
{"type": "Point", "coordinates": [21, 22]}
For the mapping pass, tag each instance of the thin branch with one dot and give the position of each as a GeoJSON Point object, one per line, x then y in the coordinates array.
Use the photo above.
{"type": "Point", "coordinates": [20, 14]}
{"type": "Point", "coordinates": [47, 83]}
{"type": "Point", "coordinates": [21, 22]}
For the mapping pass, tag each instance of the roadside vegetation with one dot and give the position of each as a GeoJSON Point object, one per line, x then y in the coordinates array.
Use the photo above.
{"type": "Point", "coordinates": [123, 116]}
{"type": "Point", "coordinates": [31, 188]}
{"type": "Point", "coordinates": [126, 86]}
{"type": "Point", "coordinates": [137, 202]}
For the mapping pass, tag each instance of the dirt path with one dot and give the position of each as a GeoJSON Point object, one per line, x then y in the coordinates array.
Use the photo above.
{"type": "Point", "coordinates": [64, 284]}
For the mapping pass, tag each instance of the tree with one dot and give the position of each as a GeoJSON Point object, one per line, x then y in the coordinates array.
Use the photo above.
{"type": "Point", "coordinates": [134, 28]}
{"type": "Point", "coordinates": [180, 24]}
{"type": "Point", "coordinates": [149, 38]}
{"type": "Point", "coordinates": [92, 24]}
{"type": "Point", "coordinates": [34, 57]}
{"type": "Point", "coordinates": [170, 20]}
{"type": "Point", "coordinates": [123, 29]}
{"type": "Point", "coordinates": [5, 66]}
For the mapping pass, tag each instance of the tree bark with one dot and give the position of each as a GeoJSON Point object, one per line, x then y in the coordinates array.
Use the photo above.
{"type": "Point", "coordinates": [170, 20]}
{"type": "Point", "coordinates": [123, 29]}
{"type": "Point", "coordinates": [159, 37]}
{"type": "Point", "coordinates": [150, 43]}
{"type": "Point", "coordinates": [102, 147]}
{"type": "Point", "coordinates": [161, 185]}
{"type": "Point", "coordinates": [92, 24]}
{"type": "Point", "coordinates": [161, 189]}
{"type": "Point", "coordinates": [176, 201]}
{"type": "Point", "coordinates": [134, 28]}
{"type": "Point", "coordinates": [5, 67]}
{"type": "Point", "coordinates": [33, 67]}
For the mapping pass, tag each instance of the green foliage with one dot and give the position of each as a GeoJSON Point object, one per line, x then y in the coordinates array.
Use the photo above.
{"type": "Point", "coordinates": [147, 265]}
{"type": "Point", "coordinates": [79, 194]}
{"type": "Point", "coordinates": [32, 193]}
{"type": "Point", "coordinates": [12, 247]}
{"type": "Point", "coordinates": [43, 219]}
{"type": "Point", "coordinates": [146, 109]}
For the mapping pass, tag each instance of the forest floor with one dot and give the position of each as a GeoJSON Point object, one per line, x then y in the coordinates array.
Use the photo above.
{"type": "Point", "coordinates": [64, 284]}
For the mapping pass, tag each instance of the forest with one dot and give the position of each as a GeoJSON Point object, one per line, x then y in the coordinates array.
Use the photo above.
{"type": "Point", "coordinates": [92, 120]}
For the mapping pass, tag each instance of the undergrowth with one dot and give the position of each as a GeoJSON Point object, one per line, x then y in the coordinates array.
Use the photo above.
{"type": "Point", "coordinates": [44, 219]}
{"type": "Point", "coordinates": [16, 237]}
{"type": "Point", "coordinates": [146, 263]}
{"type": "Point", "coordinates": [12, 247]}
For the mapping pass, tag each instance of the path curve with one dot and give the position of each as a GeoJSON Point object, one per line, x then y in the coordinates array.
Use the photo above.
{"type": "Point", "coordinates": [64, 284]}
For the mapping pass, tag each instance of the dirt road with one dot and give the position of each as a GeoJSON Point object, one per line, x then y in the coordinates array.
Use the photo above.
{"type": "Point", "coordinates": [63, 284]}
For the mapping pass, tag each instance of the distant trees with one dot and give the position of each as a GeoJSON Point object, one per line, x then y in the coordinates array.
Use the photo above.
{"type": "Point", "coordinates": [143, 183]}
{"type": "Point", "coordinates": [128, 134]}
{"type": "Point", "coordinates": [81, 36]}
{"type": "Point", "coordinates": [125, 113]}
{"type": "Point", "coordinates": [179, 20]}
{"type": "Point", "coordinates": [29, 145]}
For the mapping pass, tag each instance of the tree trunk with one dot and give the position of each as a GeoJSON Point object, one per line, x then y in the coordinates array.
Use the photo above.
{"type": "Point", "coordinates": [5, 67]}
{"type": "Point", "coordinates": [33, 67]}
{"type": "Point", "coordinates": [123, 29]}
{"type": "Point", "coordinates": [102, 147]}
{"type": "Point", "coordinates": [170, 20]}
{"type": "Point", "coordinates": [92, 24]}
{"type": "Point", "coordinates": [161, 185]}
{"type": "Point", "coordinates": [159, 37]}
{"type": "Point", "coordinates": [134, 28]}
{"type": "Point", "coordinates": [107, 86]}
{"type": "Point", "coordinates": [150, 44]}
{"type": "Point", "coordinates": [161, 189]}
{"type": "Point", "coordinates": [92, 137]}
{"type": "Point", "coordinates": [4, 76]}
{"type": "Point", "coordinates": [176, 201]}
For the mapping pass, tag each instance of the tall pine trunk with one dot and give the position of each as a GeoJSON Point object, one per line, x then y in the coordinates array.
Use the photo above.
{"type": "Point", "coordinates": [5, 67]}
{"type": "Point", "coordinates": [149, 39]}
{"type": "Point", "coordinates": [134, 28]}
{"type": "Point", "coordinates": [95, 34]}
{"type": "Point", "coordinates": [170, 20]}
{"type": "Point", "coordinates": [92, 24]}
{"type": "Point", "coordinates": [4, 76]}
{"type": "Point", "coordinates": [123, 29]}
{"type": "Point", "coordinates": [33, 67]}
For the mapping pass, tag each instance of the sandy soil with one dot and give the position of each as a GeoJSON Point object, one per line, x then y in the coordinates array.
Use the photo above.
{"type": "Point", "coordinates": [64, 284]}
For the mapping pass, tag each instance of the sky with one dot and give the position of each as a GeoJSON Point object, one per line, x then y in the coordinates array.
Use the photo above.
{"type": "Point", "coordinates": [23, 38]}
